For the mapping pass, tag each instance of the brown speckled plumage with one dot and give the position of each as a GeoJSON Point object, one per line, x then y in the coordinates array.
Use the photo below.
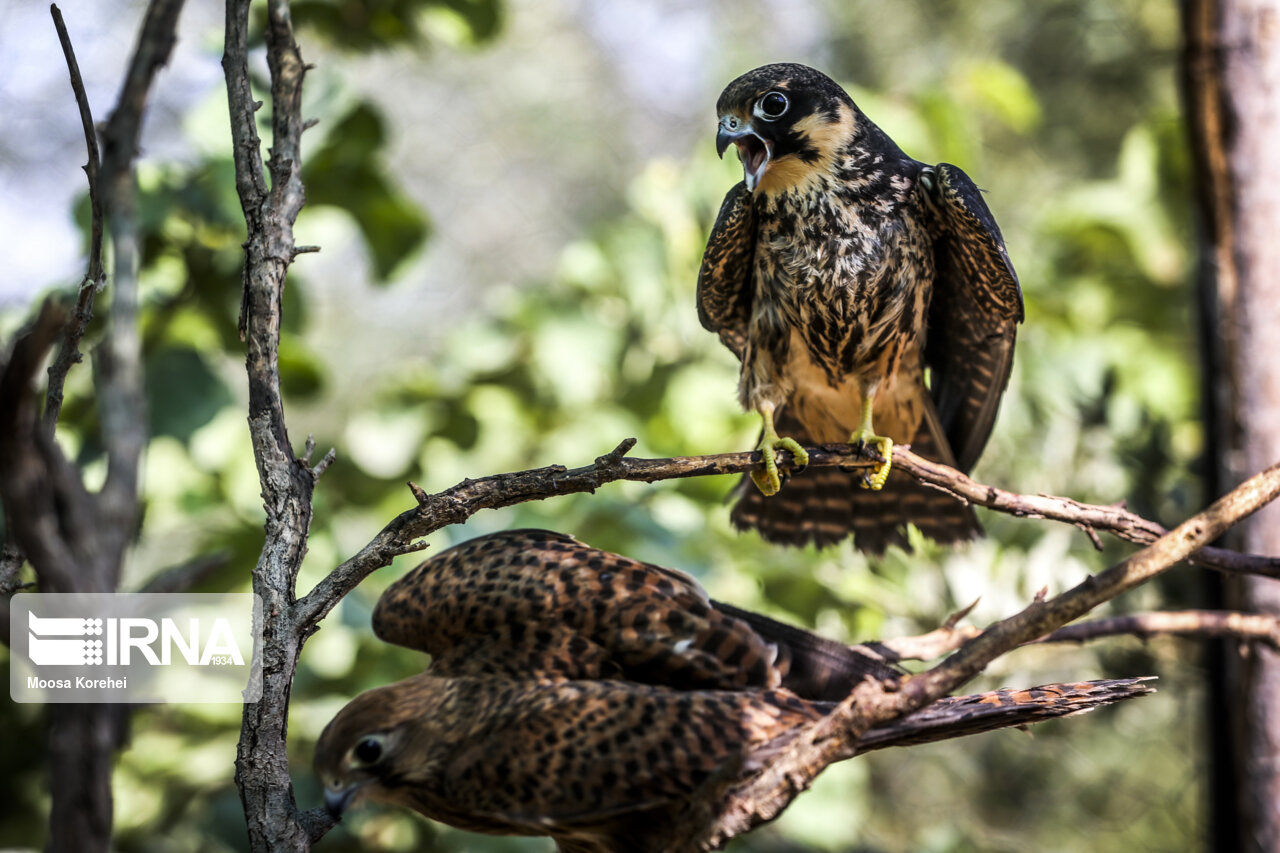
{"type": "Point", "coordinates": [847, 270]}
{"type": "Point", "coordinates": [533, 604]}
{"type": "Point", "coordinates": [522, 735]}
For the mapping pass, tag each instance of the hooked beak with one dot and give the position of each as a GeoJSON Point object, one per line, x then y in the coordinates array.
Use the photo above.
{"type": "Point", "coordinates": [754, 150]}
{"type": "Point", "coordinates": [337, 800]}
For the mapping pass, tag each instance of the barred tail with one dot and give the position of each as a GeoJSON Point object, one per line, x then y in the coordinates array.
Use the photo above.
{"type": "Point", "coordinates": [983, 712]}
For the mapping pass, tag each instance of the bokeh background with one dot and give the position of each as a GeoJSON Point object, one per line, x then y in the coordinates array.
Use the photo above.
{"type": "Point", "coordinates": [512, 197]}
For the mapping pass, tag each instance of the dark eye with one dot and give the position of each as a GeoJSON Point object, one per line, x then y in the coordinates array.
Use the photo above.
{"type": "Point", "coordinates": [772, 106]}
{"type": "Point", "coordinates": [368, 750]}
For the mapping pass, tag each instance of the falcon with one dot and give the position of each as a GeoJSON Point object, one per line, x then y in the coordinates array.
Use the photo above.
{"type": "Point", "coordinates": [604, 766]}
{"type": "Point", "coordinates": [841, 273]}
{"type": "Point", "coordinates": [585, 696]}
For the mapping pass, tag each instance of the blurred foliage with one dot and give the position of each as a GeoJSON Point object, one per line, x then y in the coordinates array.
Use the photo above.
{"type": "Point", "coordinates": [362, 25]}
{"type": "Point", "coordinates": [346, 173]}
{"type": "Point", "coordinates": [1063, 110]}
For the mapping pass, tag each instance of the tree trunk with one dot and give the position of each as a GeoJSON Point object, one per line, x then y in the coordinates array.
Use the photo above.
{"type": "Point", "coordinates": [83, 740]}
{"type": "Point", "coordinates": [1233, 96]}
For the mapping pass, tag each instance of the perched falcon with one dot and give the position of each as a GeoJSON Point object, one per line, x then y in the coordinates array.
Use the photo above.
{"type": "Point", "coordinates": [580, 695]}
{"type": "Point", "coordinates": [839, 271]}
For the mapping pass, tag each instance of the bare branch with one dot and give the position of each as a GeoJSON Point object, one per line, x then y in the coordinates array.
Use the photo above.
{"type": "Point", "coordinates": [1113, 519]}
{"type": "Point", "coordinates": [460, 502]}
{"type": "Point", "coordinates": [76, 541]}
{"type": "Point", "coordinates": [731, 807]}
{"type": "Point", "coordinates": [69, 351]}
{"type": "Point", "coordinates": [930, 646]}
{"type": "Point", "coordinates": [1247, 627]}
{"type": "Point", "coordinates": [1259, 627]}
{"type": "Point", "coordinates": [184, 576]}
{"type": "Point", "coordinates": [323, 465]}
{"type": "Point", "coordinates": [262, 769]}
{"type": "Point", "coordinates": [1045, 616]}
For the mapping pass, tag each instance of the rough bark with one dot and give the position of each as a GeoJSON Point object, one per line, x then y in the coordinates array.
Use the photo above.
{"type": "Point", "coordinates": [1233, 94]}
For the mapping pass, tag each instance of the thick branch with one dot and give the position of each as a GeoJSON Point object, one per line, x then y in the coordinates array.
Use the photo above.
{"type": "Point", "coordinates": [731, 809]}
{"type": "Point", "coordinates": [43, 509]}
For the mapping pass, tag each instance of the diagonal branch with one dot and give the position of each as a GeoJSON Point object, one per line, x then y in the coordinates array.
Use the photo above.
{"type": "Point", "coordinates": [1245, 627]}
{"type": "Point", "coordinates": [1112, 519]}
{"type": "Point", "coordinates": [736, 808]}
{"type": "Point", "coordinates": [1044, 616]}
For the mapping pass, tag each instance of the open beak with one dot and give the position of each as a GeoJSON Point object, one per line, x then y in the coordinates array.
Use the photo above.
{"type": "Point", "coordinates": [754, 150]}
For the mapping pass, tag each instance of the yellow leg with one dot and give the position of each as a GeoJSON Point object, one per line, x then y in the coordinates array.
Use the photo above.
{"type": "Point", "coordinates": [768, 481]}
{"type": "Point", "coordinates": [865, 438]}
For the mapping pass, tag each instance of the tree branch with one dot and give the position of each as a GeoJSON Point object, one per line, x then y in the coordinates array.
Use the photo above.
{"type": "Point", "coordinates": [44, 511]}
{"type": "Point", "coordinates": [1044, 616]}
{"type": "Point", "coordinates": [184, 576]}
{"type": "Point", "coordinates": [76, 541]}
{"type": "Point", "coordinates": [262, 767]}
{"type": "Point", "coordinates": [1112, 519]}
{"type": "Point", "coordinates": [729, 807]}
{"type": "Point", "coordinates": [457, 504]}
{"type": "Point", "coordinates": [1246, 627]}
{"type": "Point", "coordinates": [95, 278]}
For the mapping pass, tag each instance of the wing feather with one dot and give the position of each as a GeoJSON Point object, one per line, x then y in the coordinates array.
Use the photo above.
{"type": "Point", "coordinates": [724, 281]}
{"type": "Point", "coordinates": [974, 314]}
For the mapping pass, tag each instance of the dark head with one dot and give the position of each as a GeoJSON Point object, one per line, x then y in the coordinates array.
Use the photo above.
{"type": "Point", "coordinates": [787, 120]}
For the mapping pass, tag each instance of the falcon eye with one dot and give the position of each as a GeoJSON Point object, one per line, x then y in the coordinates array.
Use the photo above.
{"type": "Point", "coordinates": [368, 750]}
{"type": "Point", "coordinates": [772, 106]}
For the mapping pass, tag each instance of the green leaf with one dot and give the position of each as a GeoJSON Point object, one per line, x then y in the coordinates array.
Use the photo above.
{"type": "Point", "coordinates": [346, 173]}
{"type": "Point", "coordinates": [366, 25]}
{"type": "Point", "coordinates": [183, 392]}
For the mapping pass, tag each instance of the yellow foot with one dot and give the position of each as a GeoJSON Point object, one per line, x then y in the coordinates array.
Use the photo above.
{"type": "Point", "coordinates": [768, 481]}
{"type": "Point", "coordinates": [874, 446]}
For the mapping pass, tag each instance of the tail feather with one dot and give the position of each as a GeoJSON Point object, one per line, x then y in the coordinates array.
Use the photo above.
{"type": "Point", "coordinates": [824, 505]}
{"type": "Point", "coordinates": [814, 667]}
{"type": "Point", "coordinates": [983, 712]}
